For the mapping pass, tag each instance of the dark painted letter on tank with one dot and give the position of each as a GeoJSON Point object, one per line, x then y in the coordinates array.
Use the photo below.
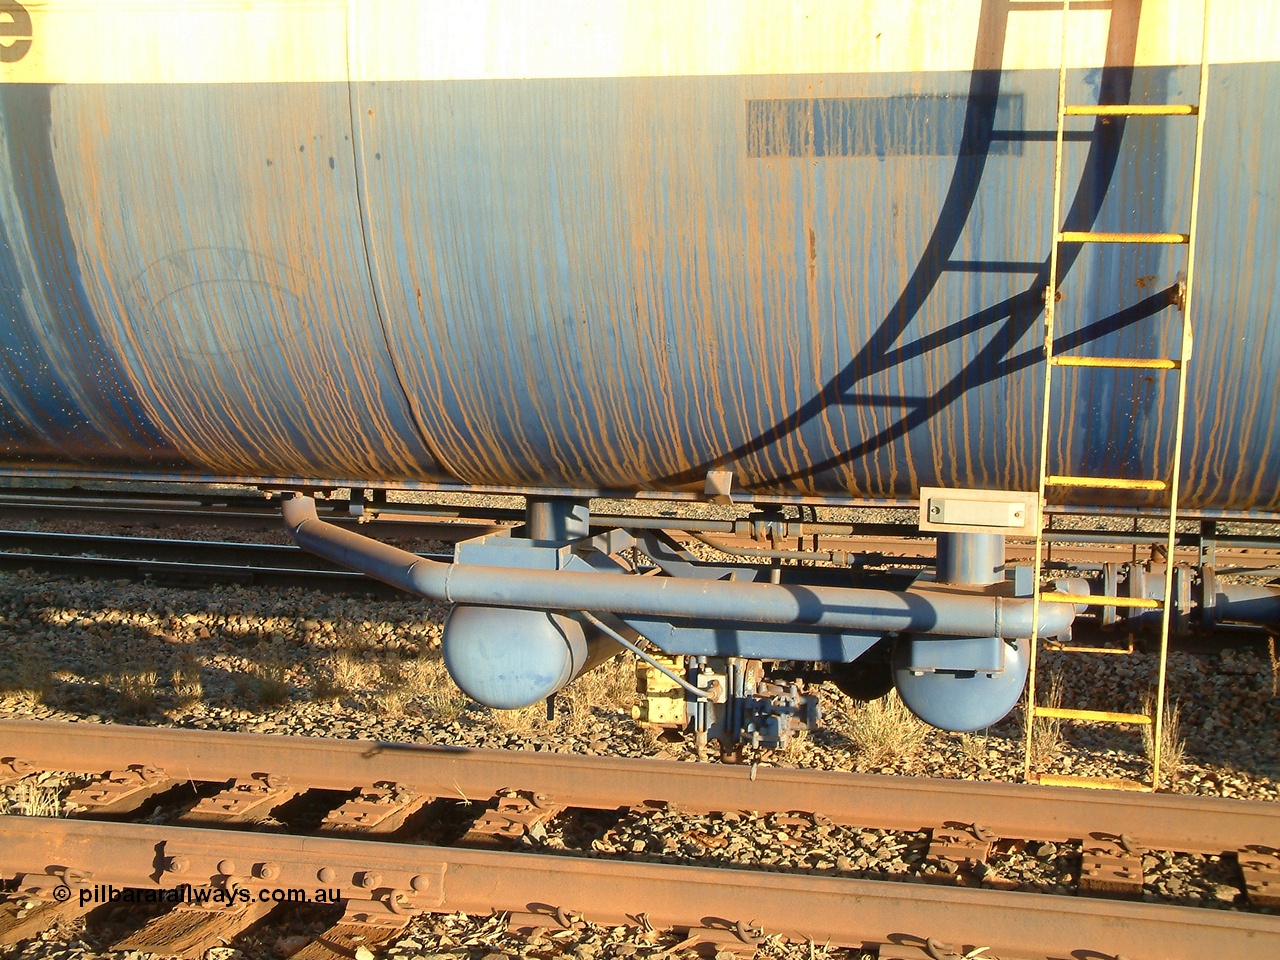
{"type": "Point", "coordinates": [15, 22]}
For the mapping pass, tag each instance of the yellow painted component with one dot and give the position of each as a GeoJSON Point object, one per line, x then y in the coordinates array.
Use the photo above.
{"type": "Point", "coordinates": [1188, 339]}
{"type": "Point", "coordinates": [1170, 22]}
{"type": "Point", "coordinates": [1139, 602]}
{"type": "Point", "coordinates": [1093, 716]}
{"type": "Point", "coordinates": [1116, 363]}
{"type": "Point", "coordinates": [1110, 651]}
{"type": "Point", "coordinates": [1131, 110]}
{"type": "Point", "coordinates": [1093, 783]}
{"type": "Point", "coordinates": [1094, 236]}
{"type": "Point", "coordinates": [1050, 309]}
{"type": "Point", "coordinates": [664, 699]}
{"type": "Point", "coordinates": [1108, 483]}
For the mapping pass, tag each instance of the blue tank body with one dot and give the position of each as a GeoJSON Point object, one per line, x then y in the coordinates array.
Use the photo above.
{"type": "Point", "coordinates": [831, 284]}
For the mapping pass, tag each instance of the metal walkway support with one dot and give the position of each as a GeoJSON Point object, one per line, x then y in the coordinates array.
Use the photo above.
{"type": "Point", "coordinates": [1165, 480]}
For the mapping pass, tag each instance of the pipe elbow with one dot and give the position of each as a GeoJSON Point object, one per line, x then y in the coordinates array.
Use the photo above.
{"type": "Point", "coordinates": [399, 568]}
{"type": "Point", "coordinates": [1017, 618]}
{"type": "Point", "coordinates": [298, 510]}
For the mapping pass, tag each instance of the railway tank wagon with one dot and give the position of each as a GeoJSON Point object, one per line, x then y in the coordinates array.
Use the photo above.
{"type": "Point", "coordinates": [785, 252]}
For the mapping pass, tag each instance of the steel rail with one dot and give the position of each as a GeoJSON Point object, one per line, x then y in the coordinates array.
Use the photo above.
{"type": "Point", "coordinates": [671, 497]}
{"type": "Point", "coordinates": [178, 574]}
{"type": "Point", "coordinates": [1163, 821]}
{"type": "Point", "coordinates": [120, 547]}
{"type": "Point", "coordinates": [449, 522]}
{"type": "Point", "coordinates": [283, 556]}
{"type": "Point", "coordinates": [890, 544]}
{"type": "Point", "coordinates": [196, 561]}
{"type": "Point", "coordinates": [160, 570]}
{"type": "Point", "coordinates": [111, 552]}
{"type": "Point", "coordinates": [256, 513]}
{"type": "Point", "coordinates": [821, 909]}
{"type": "Point", "coordinates": [1068, 548]}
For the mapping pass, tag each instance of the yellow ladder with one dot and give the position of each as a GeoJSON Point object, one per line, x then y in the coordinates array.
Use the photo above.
{"type": "Point", "coordinates": [1175, 366]}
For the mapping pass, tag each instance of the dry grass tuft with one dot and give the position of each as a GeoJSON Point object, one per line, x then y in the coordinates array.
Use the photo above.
{"type": "Point", "coordinates": [391, 671]}
{"type": "Point", "coordinates": [27, 677]}
{"type": "Point", "coordinates": [884, 730]}
{"type": "Point", "coordinates": [1275, 663]}
{"type": "Point", "coordinates": [421, 685]}
{"type": "Point", "coordinates": [267, 679]}
{"type": "Point", "coordinates": [270, 681]}
{"type": "Point", "coordinates": [1047, 740]}
{"type": "Point", "coordinates": [136, 693]}
{"type": "Point", "coordinates": [344, 673]}
{"type": "Point", "coordinates": [427, 681]}
{"type": "Point", "coordinates": [611, 687]}
{"type": "Point", "coordinates": [795, 750]}
{"type": "Point", "coordinates": [188, 688]}
{"type": "Point", "coordinates": [30, 798]}
{"type": "Point", "coordinates": [1172, 746]}
{"type": "Point", "coordinates": [394, 685]}
{"type": "Point", "coordinates": [353, 673]}
{"type": "Point", "coordinates": [389, 703]}
{"type": "Point", "coordinates": [526, 720]}
{"type": "Point", "coordinates": [974, 748]}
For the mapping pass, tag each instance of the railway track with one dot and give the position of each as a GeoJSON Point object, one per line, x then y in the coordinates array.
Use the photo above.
{"type": "Point", "coordinates": [896, 542]}
{"type": "Point", "coordinates": [246, 511]}
{"type": "Point", "coordinates": [372, 795]}
{"type": "Point", "coordinates": [183, 562]}
{"type": "Point", "coordinates": [176, 559]}
{"type": "Point", "coordinates": [180, 561]}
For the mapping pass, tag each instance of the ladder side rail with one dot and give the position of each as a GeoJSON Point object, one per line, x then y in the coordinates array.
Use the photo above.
{"type": "Point", "coordinates": [1184, 358]}
{"type": "Point", "coordinates": [1050, 298]}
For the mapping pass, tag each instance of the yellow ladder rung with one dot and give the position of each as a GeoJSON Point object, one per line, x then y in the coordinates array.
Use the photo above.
{"type": "Point", "coordinates": [1110, 651]}
{"type": "Point", "coordinates": [1092, 783]}
{"type": "Point", "coordinates": [1110, 483]}
{"type": "Point", "coordinates": [1090, 601]}
{"type": "Point", "coordinates": [1116, 363]}
{"type": "Point", "coordinates": [1094, 716]}
{"type": "Point", "coordinates": [1130, 110]}
{"type": "Point", "coordinates": [1091, 236]}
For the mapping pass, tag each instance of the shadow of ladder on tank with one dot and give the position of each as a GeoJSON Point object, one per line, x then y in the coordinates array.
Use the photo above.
{"type": "Point", "coordinates": [1175, 367]}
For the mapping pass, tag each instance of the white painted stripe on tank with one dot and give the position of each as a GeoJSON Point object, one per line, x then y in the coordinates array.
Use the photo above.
{"type": "Point", "coordinates": [261, 41]}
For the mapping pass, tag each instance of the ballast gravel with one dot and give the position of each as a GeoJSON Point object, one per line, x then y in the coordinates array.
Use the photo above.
{"type": "Point", "coordinates": [300, 662]}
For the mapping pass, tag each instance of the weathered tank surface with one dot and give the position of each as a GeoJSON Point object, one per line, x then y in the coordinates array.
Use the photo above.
{"type": "Point", "coordinates": [601, 246]}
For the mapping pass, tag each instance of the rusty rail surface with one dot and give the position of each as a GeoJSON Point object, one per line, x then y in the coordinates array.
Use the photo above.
{"type": "Point", "coordinates": [442, 522]}
{"type": "Point", "coordinates": [166, 559]}
{"type": "Point", "coordinates": [1160, 821]}
{"type": "Point", "coordinates": [452, 523]}
{"type": "Point", "coordinates": [420, 878]}
{"type": "Point", "coordinates": [180, 560]}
